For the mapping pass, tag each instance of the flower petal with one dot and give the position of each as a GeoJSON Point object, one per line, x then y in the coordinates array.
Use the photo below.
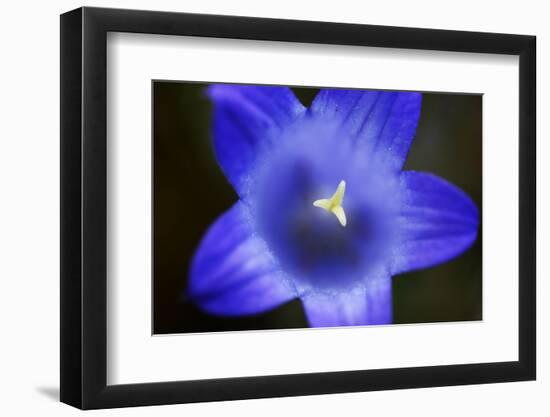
{"type": "Point", "coordinates": [437, 222]}
{"type": "Point", "coordinates": [382, 121]}
{"type": "Point", "coordinates": [362, 306]}
{"type": "Point", "coordinates": [246, 119]}
{"type": "Point", "coordinates": [233, 273]}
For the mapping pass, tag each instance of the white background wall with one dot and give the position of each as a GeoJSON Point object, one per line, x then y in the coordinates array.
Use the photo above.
{"type": "Point", "coordinates": [29, 208]}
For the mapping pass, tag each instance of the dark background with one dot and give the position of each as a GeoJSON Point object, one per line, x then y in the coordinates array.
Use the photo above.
{"type": "Point", "coordinates": [448, 143]}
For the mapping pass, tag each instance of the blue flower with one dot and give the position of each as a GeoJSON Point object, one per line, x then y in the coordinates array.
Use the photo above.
{"type": "Point", "coordinates": [325, 212]}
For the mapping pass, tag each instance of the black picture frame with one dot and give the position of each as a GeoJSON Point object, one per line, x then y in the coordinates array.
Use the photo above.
{"type": "Point", "coordinates": [84, 207]}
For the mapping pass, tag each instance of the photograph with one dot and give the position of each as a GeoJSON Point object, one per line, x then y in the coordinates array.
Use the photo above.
{"type": "Point", "coordinates": [269, 209]}
{"type": "Point", "coordinates": [292, 207]}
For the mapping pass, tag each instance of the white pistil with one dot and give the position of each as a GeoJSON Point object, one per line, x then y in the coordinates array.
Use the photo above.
{"type": "Point", "coordinates": [334, 204]}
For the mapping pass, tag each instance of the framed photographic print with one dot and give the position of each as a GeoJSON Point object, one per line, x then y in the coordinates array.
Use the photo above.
{"type": "Point", "coordinates": [257, 208]}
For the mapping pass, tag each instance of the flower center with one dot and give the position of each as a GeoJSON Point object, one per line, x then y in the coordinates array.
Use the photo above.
{"type": "Point", "coordinates": [319, 209]}
{"type": "Point", "coordinates": [334, 204]}
{"type": "Point", "coordinates": [319, 242]}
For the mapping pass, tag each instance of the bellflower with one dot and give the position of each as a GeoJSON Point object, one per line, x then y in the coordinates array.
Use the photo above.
{"type": "Point", "coordinates": [325, 212]}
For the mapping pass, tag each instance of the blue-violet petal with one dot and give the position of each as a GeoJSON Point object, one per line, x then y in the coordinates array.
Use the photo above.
{"type": "Point", "coordinates": [233, 273]}
{"type": "Point", "coordinates": [247, 121]}
{"type": "Point", "coordinates": [383, 123]}
{"type": "Point", "coordinates": [367, 305]}
{"type": "Point", "coordinates": [437, 222]}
